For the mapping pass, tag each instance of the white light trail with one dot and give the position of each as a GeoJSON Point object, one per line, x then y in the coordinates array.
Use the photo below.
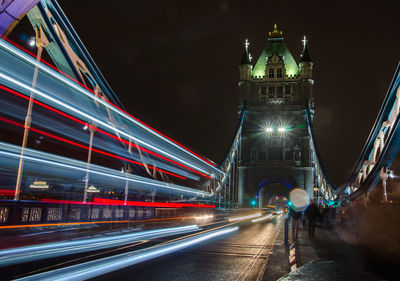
{"type": "Point", "coordinates": [50, 250]}
{"type": "Point", "coordinates": [79, 88]}
{"type": "Point", "coordinates": [98, 121]}
{"type": "Point", "coordinates": [108, 173]}
{"type": "Point", "coordinates": [102, 266]}
{"type": "Point", "coordinates": [262, 218]}
{"type": "Point", "coordinates": [245, 217]}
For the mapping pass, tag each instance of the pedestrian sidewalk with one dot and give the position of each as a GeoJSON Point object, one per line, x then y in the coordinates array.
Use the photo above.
{"type": "Point", "coordinates": [324, 257]}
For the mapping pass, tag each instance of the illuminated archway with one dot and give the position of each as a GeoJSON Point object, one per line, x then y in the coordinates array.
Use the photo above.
{"type": "Point", "coordinates": [283, 190]}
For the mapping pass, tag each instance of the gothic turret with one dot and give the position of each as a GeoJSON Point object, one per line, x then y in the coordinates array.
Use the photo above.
{"type": "Point", "coordinates": [305, 64]}
{"type": "Point", "coordinates": [245, 66]}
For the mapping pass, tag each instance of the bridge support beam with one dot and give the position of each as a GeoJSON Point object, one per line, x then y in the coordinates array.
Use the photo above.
{"type": "Point", "coordinates": [241, 185]}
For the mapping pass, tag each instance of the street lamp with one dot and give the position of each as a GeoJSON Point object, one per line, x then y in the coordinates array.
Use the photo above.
{"type": "Point", "coordinates": [41, 42]}
{"type": "Point", "coordinates": [89, 159]}
{"type": "Point", "coordinates": [269, 129]}
{"type": "Point", "coordinates": [281, 129]}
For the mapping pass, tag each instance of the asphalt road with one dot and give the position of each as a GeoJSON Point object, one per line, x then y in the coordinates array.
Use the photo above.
{"type": "Point", "coordinates": [241, 255]}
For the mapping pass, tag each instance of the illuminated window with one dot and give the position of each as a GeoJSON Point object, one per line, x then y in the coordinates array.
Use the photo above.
{"type": "Point", "coordinates": [36, 214]}
{"type": "Point", "coordinates": [54, 214]}
{"type": "Point", "coordinates": [94, 213]}
{"type": "Point", "coordinates": [279, 73]}
{"type": "Point", "coordinates": [271, 73]}
{"type": "Point", "coordinates": [107, 213]}
{"type": "Point", "coordinates": [3, 214]}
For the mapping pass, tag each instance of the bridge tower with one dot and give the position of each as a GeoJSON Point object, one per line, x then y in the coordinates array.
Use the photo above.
{"type": "Point", "coordinates": [275, 145]}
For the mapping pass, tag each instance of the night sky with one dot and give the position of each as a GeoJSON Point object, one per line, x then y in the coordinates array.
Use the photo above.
{"type": "Point", "coordinates": [174, 64]}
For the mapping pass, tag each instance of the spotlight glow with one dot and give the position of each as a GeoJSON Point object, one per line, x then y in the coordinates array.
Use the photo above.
{"type": "Point", "coordinates": [32, 42]}
{"type": "Point", "coordinates": [281, 129]}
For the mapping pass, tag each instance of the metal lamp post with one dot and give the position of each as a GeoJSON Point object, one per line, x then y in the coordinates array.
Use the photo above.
{"type": "Point", "coordinates": [41, 42]}
{"type": "Point", "coordinates": [89, 159]}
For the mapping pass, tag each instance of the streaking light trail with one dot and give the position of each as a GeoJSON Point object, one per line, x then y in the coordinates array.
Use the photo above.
{"type": "Point", "coordinates": [245, 217]}
{"type": "Point", "coordinates": [84, 222]}
{"type": "Point", "coordinates": [99, 130]}
{"type": "Point", "coordinates": [72, 164]}
{"type": "Point", "coordinates": [115, 202]}
{"type": "Point", "coordinates": [85, 91]}
{"type": "Point", "coordinates": [87, 148]}
{"type": "Point", "coordinates": [98, 267]}
{"type": "Point", "coordinates": [50, 250]}
{"type": "Point", "coordinates": [97, 121]}
{"type": "Point", "coordinates": [262, 218]}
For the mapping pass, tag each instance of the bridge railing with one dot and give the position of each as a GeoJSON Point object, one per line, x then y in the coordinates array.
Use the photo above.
{"type": "Point", "coordinates": [228, 164]}
{"type": "Point", "coordinates": [381, 147]}
{"type": "Point", "coordinates": [325, 185]}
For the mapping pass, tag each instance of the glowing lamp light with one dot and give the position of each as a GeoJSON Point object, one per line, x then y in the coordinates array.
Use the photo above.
{"type": "Point", "coordinates": [253, 202]}
{"type": "Point", "coordinates": [282, 130]}
{"type": "Point", "coordinates": [32, 42]}
{"type": "Point", "coordinates": [269, 130]}
{"type": "Point", "coordinates": [298, 199]}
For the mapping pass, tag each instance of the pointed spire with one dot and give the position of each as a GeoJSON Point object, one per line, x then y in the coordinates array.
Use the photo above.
{"type": "Point", "coordinates": [276, 33]}
{"type": "Point", "coordinates": [246, 58]}
{"type": "Point", "coordinates": [305, 56]}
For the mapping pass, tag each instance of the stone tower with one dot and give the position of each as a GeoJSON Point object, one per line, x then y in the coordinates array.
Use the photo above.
{"type": "Point", "coordinates": [275, 145]}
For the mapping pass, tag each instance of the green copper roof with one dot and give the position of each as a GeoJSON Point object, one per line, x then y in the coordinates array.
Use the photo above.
{"type": "Point", "coordinates": [275, 45]}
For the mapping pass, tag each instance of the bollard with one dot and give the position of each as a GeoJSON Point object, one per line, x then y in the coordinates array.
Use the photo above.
{"type": "Point", "coordinates": [286, 234]}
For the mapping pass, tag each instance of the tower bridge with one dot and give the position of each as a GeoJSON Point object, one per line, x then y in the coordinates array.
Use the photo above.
{"type": "Point", "coordinates": [275, 145]}
{"type": "Point", "coordinates": [75, 164]}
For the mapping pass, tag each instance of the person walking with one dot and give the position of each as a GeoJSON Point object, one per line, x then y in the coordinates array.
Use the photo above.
{"type": "Point", "coordinates": [312, 215]}
{"type": "Point", "coordinates": [295, 216]}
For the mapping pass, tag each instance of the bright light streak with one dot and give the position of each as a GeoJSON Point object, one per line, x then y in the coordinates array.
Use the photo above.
{"type": "Point", "coordinates": [93, 149]}
{"type": "Point", "coordinates": [84, 222]}
{"type": "Point", "coordinates": [269, 130]}
{"type": "Point", "coordinates": [102, 266]}
{"type": "Point", "coordinates": [282, 130]}
{"type": "Point", "coordinates": [50, 250]}
{"type": "Point", "coordinates": [99, 130]}
{"type": "Point", "coordinates": [262, 218]}
{"type": "Point", "coordinates": [116, 202]}
{"type": "Point", "coordinates": [97, 121]}
{"type": "Point", "coordinates": [204, 217]}
{"type": "Point", "coordinates": [117, 110]}
{"type": "Point", "coordinates": [245, 217]}
{"type": "Point", "coordinates": [108, 173]}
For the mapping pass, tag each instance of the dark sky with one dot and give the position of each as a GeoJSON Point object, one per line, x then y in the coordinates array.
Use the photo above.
{"type": "Point", "coordinates": [174, 64]}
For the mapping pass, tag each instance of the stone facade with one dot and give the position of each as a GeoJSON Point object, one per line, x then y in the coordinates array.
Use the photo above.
{"type": "Point", "coordinates": [275, 145]}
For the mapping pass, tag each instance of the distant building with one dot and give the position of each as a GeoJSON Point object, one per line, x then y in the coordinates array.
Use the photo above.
{"type": "Point", "coordinates": [275, 145]}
